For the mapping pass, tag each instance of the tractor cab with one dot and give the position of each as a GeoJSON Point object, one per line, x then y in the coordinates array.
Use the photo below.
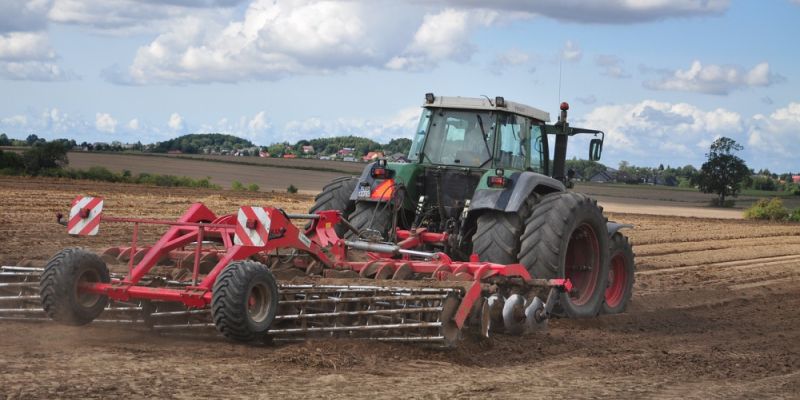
{"type": "Point", "coordinates": [478, 133]}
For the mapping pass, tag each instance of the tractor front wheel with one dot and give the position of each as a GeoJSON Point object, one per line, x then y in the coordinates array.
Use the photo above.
{"type": "Point", "coordinates": [59, 286]}
{"type": "Point", "coordinates": [565, 237]}
{"type": "Point", "coordinates": [244, 301]}
{"type": "Point", "coordinates": [620, 275]}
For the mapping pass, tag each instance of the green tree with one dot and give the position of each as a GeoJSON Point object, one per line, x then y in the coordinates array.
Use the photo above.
{"type": "Point", "coordinates": [44, 156]}
{"type": "Point", "coordinates": [724, 172]}
{"type": "Point", "coordinates": [4, 140]}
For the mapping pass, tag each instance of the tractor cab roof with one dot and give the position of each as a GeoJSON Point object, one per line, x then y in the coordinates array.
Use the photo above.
{"type": "Point", "coordinates": [480, 103]}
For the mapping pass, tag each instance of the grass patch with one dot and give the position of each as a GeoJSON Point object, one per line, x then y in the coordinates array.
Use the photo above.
{"type": "Point", "coordinates": [105, 175]}
{"type": "Point", "coordinates": [772, 210]}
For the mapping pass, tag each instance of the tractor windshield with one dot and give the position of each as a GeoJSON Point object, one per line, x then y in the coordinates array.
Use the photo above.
{"type": "Point", "coordinates": [460, 137]}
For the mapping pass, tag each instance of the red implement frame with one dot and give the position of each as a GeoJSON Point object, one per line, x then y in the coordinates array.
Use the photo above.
{"type": "Point", "coordinates": [199, 224]}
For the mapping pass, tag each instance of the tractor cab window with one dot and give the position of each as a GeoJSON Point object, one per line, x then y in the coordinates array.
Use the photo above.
{"type": "Point", "coordinates": [537, 149]}
{"type": "Point", "coordinates": [462, 138]}
{"type": "Point", "coordinates": [419, 136]}
{"type": "Point", "coordinates": [514, 135]}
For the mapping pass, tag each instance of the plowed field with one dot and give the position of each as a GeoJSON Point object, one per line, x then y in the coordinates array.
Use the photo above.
{"type": "Point", "coordinates": [714, 314]}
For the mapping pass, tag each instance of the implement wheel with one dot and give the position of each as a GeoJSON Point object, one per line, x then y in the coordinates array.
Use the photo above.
{"type": "Point", "coordinates": [244, 301]}
{"type": "Point", "coordinates": [336, 196]}
{"type": "Point", "coordinates": [59, 287]}
{"type": "Point", "coordinates": [620, 275]}
{"type": "Point", "coordinates": [565, 237]}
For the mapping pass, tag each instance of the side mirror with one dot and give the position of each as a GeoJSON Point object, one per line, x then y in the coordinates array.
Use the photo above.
{"type": "Point", "coordinates": [595, 149]}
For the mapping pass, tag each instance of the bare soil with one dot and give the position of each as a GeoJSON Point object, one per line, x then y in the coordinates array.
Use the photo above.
{"type": "Point", "coordinates": [714, 315]}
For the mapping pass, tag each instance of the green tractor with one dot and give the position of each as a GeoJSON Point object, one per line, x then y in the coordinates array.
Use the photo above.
{"type": "Point", "coordinates": [480, 171]}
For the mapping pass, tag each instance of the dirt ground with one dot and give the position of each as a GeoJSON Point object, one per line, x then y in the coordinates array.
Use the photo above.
{"type": "Point", "coordinates": [714, 315]}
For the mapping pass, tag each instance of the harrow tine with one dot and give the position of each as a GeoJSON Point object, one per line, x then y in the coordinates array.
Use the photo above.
{"type": "Point", "coordinates": [27, 311]}
{"type": "Point", "coordinates": [18, 298]}
{"type": "Point", "coordinates": [20, 285]}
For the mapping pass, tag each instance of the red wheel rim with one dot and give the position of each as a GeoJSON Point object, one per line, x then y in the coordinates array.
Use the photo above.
{"type": "Point", "coordinates": [617, 280]}
{"type": "Point", "coordinates": [582, 264]}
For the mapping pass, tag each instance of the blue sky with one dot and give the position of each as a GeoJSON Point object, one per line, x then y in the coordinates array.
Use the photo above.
{"type": "Point", "coordinates": [663, 78]}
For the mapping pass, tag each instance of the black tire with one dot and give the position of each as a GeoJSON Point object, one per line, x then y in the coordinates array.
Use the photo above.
{"type": "Point", "coordinates": [565, 237]}
{"type": "Point", "coordinates": [497, 234]}
{"type": "Point", "coordinates": [336, 196]}
{"type": "Point", "coordinates": [244, 301]}
{"type": "Point", "coordinates": [58, 286]}
{"type": "Point", "coordinates": [371, 216]}
{"type": "Point", "coordinates": [620, 275]}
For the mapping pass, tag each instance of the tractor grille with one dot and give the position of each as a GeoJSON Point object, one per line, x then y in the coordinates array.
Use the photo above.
{"type": "Point", "coordinates": [456, 187]}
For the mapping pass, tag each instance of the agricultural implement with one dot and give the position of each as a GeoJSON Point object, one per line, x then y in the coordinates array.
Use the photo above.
{"type": "Point", "coordinates": [477, 233]}
{"type": "Point", "coordinates": [208, 271]}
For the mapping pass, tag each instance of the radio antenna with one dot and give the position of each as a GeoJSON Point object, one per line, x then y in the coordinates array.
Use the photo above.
{"type": "Point", "coordinates": [560, 62]}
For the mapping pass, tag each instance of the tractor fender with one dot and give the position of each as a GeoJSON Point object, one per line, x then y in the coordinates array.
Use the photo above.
{"type": "Point", "coordinates": [365, 178]}
{"type": "Point", "coordinates": [510, 199]}
{"type": "Point", "coordinates": [614, 227]}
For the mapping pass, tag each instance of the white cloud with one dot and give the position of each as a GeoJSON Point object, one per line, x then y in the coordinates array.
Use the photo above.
{"type": "Point", "coordinates": [442, 36]}
{"type": "Point", "coordinates": [278, 39]}
{"type": "Point", "coordinates": [611, 66]}
{"type": "Point", "coordinates": [27, 55]}
{"type": "Point", "coordinates": [133, 124]}
{"type": "Point", "coordinates": [23, 15]}
{"type": "Point", "coordinates": [17, 46]}
{"type": "Point", "coordinates": [175, 122]}
{"type": "Point", "coordinates": [133, 16]}
{"type": "Point", "coordinates": [401, 124]}
{"type": "Point", "coordinates": [633, 131]}
{"type": "Point", "coordinates": [104, 122]}
{"type": "Point", "coordinates": [602, 11]}
{"type": "Point", "coordinates": [571, 52]}
{"type": "Point", "coordinates": [511, 58]}
{"type": "Point", "coordinates": [715, 79]}
{"type": "Point", "coordinates": [778, 132]}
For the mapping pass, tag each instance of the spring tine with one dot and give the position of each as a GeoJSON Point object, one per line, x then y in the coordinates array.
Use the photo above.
{"type": "Point", "coordinates": [24, 269]}
{"type": "Point", "coordinates": [178, 313]}
{"type": "Point", "coordinates": [356, 313]}
{"type": "Point", "coordinates": [20, 285]}
{"type": "Point", "coordinates": [354, 328]}
{"type": "Point", "coordinates": [182, 326]}
{"type": "Point", "coordinates": [21, 311]}
{"type": "Point", "coordinates": [18, 298]}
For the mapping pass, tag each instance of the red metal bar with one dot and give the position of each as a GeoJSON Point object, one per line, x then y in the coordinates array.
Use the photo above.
{"type": "Point", "coordinates": [197, 249]}
{"type": "Point", "coordinates": [133, 247]}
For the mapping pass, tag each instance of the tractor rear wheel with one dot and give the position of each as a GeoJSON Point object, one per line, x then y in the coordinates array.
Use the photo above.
{"type": "Point", "coordinates": [336, 196]}
{"type": "Point", "coordinates": [244, 301]}
{"type": "Point", "coordinates": [497, 234]}
{"type": "Point", "coordinates": [620, 275]}
{"type": "Point", "coordinates": [565, 237]}
{"type": "Point", "coordinates": [370, 218]}
{"type": "Point", "coordinates": [59, 286]}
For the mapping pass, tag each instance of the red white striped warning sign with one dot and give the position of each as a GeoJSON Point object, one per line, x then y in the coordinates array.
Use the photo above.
{"type": "Point", "coordinates": [84, 216]}
{"type": "Point", "coordinates": [252, 227]}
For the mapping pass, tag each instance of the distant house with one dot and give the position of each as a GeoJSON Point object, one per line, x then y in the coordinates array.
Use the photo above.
{"type": "Point", "coordinates": [602, 177]}
{"type": "Point", "coordinates": [372, 155]}
{"type": "Point", "coordinates": [350, 159]}
{"type": "Point", "coordinates": [324, 157]}
{"type": "Point", "coordinates": [289, 156]}
{"type": "Point", "coordinates": [345, 151]}
{"type": "Point", "coordinates": [263, 154]}
{"type": "Point", "coordinates": [308, 149]}
{"type": "Point", "coordinates": [796, 178]}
